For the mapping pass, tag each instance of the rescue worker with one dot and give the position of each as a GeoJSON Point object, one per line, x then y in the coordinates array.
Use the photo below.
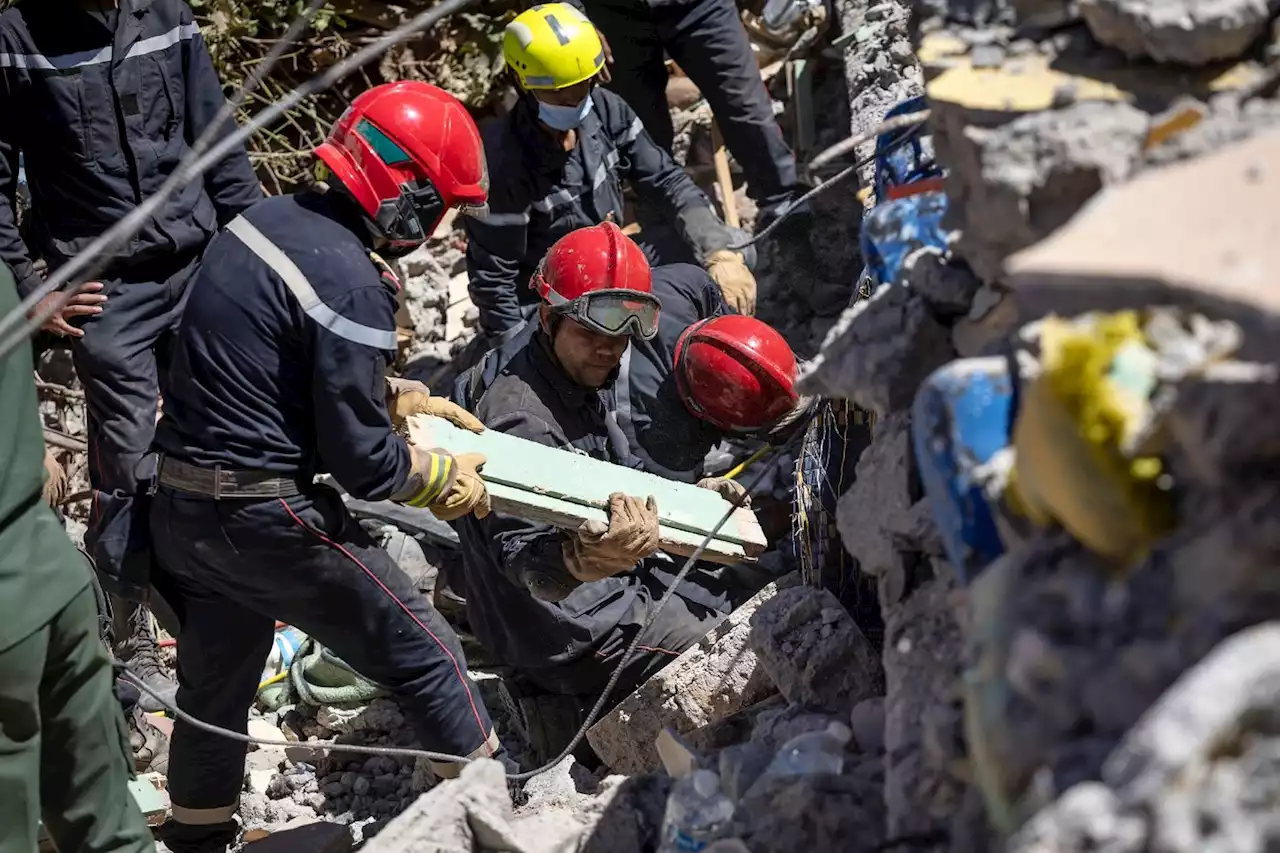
{"type": "Point", "coordinates": [707, 40]}
{"type": "Point", "coordinates": [102, 99]}
{"type": "Point", "coordinates": [557, 605]}
{"type": "Point", "coordinates": [278, 375]}
{"type": "Point", "coordinates": [708, 375]}
{"type": "Point", "coordinates": [62, 737]}
{"type": "Point", "coordinates": [559, 159]}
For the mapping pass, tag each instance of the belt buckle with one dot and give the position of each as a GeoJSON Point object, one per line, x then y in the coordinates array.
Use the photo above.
{"type": "Point", "coordinates": [217, 481]}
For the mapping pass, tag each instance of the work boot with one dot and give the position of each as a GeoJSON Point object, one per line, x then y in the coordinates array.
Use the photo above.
{"type": "Point", "coordinates": [150, 745]}
{"type": "Point", "coordinates": [141, 652]}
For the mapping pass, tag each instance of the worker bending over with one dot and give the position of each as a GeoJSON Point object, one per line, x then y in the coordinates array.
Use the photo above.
{"type": "Point", "coordinates": [558, 605]}
{"type": "Point", "coordinates": [278, 376]}
{"type": "Point", "coordinates": [707, 375]}
{"type": "Point", "coordinates": [64, 758]}
{"type": "Point", "coordinates": [559, 160]}
{"type": "Point", "coordinates": [105, 99]}
{"type": "Point", "coordinates": [707, 40]}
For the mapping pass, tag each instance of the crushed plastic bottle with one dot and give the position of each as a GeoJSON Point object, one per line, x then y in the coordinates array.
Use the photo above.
{"type": "Point", "coordinates": [696, 812]}
{"type": "Point", "coordinates": [812, 753]}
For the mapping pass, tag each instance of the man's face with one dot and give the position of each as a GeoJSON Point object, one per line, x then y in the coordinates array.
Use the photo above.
{"type": "Point", "coordinates": [586, 356]}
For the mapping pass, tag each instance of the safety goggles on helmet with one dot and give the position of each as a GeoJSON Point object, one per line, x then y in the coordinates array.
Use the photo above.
{"type": "Point", "coordinates": [612, 312]}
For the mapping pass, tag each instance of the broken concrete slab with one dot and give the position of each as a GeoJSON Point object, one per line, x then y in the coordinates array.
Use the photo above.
{"type": "Point", "coordinates": [879, 351]}
{"type": "Point", "coordinates": [318, 837]}
{"type": "Point", "coordinates": [709, 681]}
{"type": "Point", "coordinates": [813, 651]}
{"type": "Point", "coordinates": [818, 812]}
{"type": "Point", "coordinates": [1014, 183]}
{"type": "Point", "coordinates": [923, 735]}
{"type": "Point", "coordinates": [1221, 698]}
{"type": "Point", "coordinates": [472, 812]}
{"type": "Point", "coordinates": [1202, 234]}
{"type": "Point", "coordinates": [880, 492]}
{"type": "Point", "coordinates": [1187, 32]}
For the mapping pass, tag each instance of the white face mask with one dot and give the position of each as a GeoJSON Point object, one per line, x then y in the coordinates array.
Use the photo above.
{"type": "Point", "coordinates": [564, 118]}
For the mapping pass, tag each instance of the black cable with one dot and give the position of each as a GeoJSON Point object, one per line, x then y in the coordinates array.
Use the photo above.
{"type": "Point", "coordinates": [842, 175]}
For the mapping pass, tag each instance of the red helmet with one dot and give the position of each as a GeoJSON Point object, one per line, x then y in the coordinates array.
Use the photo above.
{"type": "Point", "coordinates": [600, 278]}
{"type": "Point", "coordinates": [407, 152]}
{"type": "Point", "coordinates": [735, 372]}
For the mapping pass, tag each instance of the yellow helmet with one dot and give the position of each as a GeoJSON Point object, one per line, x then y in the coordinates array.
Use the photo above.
{"type": "Point", "coordinates": [552, 46]}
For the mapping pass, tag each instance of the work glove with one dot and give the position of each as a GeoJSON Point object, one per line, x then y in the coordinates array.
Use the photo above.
{"type": "Point", "coordinates": [55, 481]}
{"type": "Point", "coordinates": [736, 282]}
{"type": "Point", "coordinates": [448, 485]}
{"type": "Point", "coordinates": [728, 489]}
{"type": "Point", "coordinates": [596, 551]}
{"type": "Point", "coordinates": [467, 494]}
{"type": "Point", "coordinates": [407, 397]}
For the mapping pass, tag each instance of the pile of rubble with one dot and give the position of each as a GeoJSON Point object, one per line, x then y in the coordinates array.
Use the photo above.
{"type": "Point", "coordinates": [1059, 700]}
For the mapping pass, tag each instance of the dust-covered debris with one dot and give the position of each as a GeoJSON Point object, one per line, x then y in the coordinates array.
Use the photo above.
{"type": "Point", "coordinates": [1189, 32]}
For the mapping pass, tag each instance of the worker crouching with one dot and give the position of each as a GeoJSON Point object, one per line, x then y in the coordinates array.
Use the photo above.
{"type": "Point", "coordinates": [561, 606]}
{"type": "Point", "coordinates": [279, 375]}
{"type": "Point", "coordinates": [560, 159]}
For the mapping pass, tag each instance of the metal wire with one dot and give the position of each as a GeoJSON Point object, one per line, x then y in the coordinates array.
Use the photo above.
{"type": "Point", "coordinates": [842, 175]}
{"type": "Point", "coordinates": [16, 327]}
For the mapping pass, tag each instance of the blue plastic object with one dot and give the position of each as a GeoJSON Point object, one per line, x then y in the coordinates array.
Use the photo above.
{"type": "Point", "coordinates": [963, 414]}
{"type": "Point", "coordinates": [896, 227]}
{"type": "Point", "coordinates": [900, 155]}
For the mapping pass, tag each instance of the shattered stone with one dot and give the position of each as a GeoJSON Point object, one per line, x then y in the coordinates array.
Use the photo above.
{"type": "Point", "coordinates": [830, 673]}
{"type": "Point", "coordinates": [880, 492]}
{"type": "Point", "coordinates": [922, 710]}
{"type": "Point", "coordinates": [821, 812]}
{"type": "Point", "coordinates": [1237, 687]}
{"type": "Point", "coordinates": [1187, 32]}
{"type": "Point", "coordinates": [866, 721]}
{"type": "Point", "coordinates": [711, 680]}
{"type": "Point", "coordinates": [457, 816]}
{"type": "Point", "coordinates": [879, 352]}
{"type": "Point", "coordinates": [948, 286]}
{"type": "Point", "coordinates": [991, 319]}
{"type": "Point", "coordinates": [1011, 185]}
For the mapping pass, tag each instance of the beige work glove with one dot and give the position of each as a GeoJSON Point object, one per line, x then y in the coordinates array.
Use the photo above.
{"type": "Point", "coordinates": [448, 485]}
{"type": "Point", "coordinates": [55, 481]}
{"type": "Point", "coordinates": [596, 551]}
{"type": "Point", "coordinates": [728, 489]}
{"type": "Point", "coordinates": [407, 397]}
{"type": "Point", "coordinates": [467, 494]}
{"type": "Point", "coordinates": [734, 279]}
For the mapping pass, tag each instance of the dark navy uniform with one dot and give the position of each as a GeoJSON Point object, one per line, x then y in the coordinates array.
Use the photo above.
{"type": "Point", "coordinates": [660, 434]}
{"type": "Point", "coordinates": [104, 106]}
{"type": "Point", "coordinates": [707, 40]}
{"type": "Point", "coordinates": [570, 646]}
{"type": "Point", "coordinates": [278, 375]}
{"type": "Point", "coordinates": [541, 193]}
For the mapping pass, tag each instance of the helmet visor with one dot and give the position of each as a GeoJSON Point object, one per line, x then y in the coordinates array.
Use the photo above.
{"type": "Point", "coordinates": [615, 312]}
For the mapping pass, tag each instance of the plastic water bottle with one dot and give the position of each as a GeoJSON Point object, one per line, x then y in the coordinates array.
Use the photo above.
{"type": "Point", "coordinates": [284, 647]}
{"type": "Point", "coordinates": [812, 753]}
{"type": "Point", "coordinates": [696, 812]}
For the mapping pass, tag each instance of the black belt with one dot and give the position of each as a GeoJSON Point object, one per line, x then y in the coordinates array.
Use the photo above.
{"type": "Point", "coordinates": [222, 483]}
